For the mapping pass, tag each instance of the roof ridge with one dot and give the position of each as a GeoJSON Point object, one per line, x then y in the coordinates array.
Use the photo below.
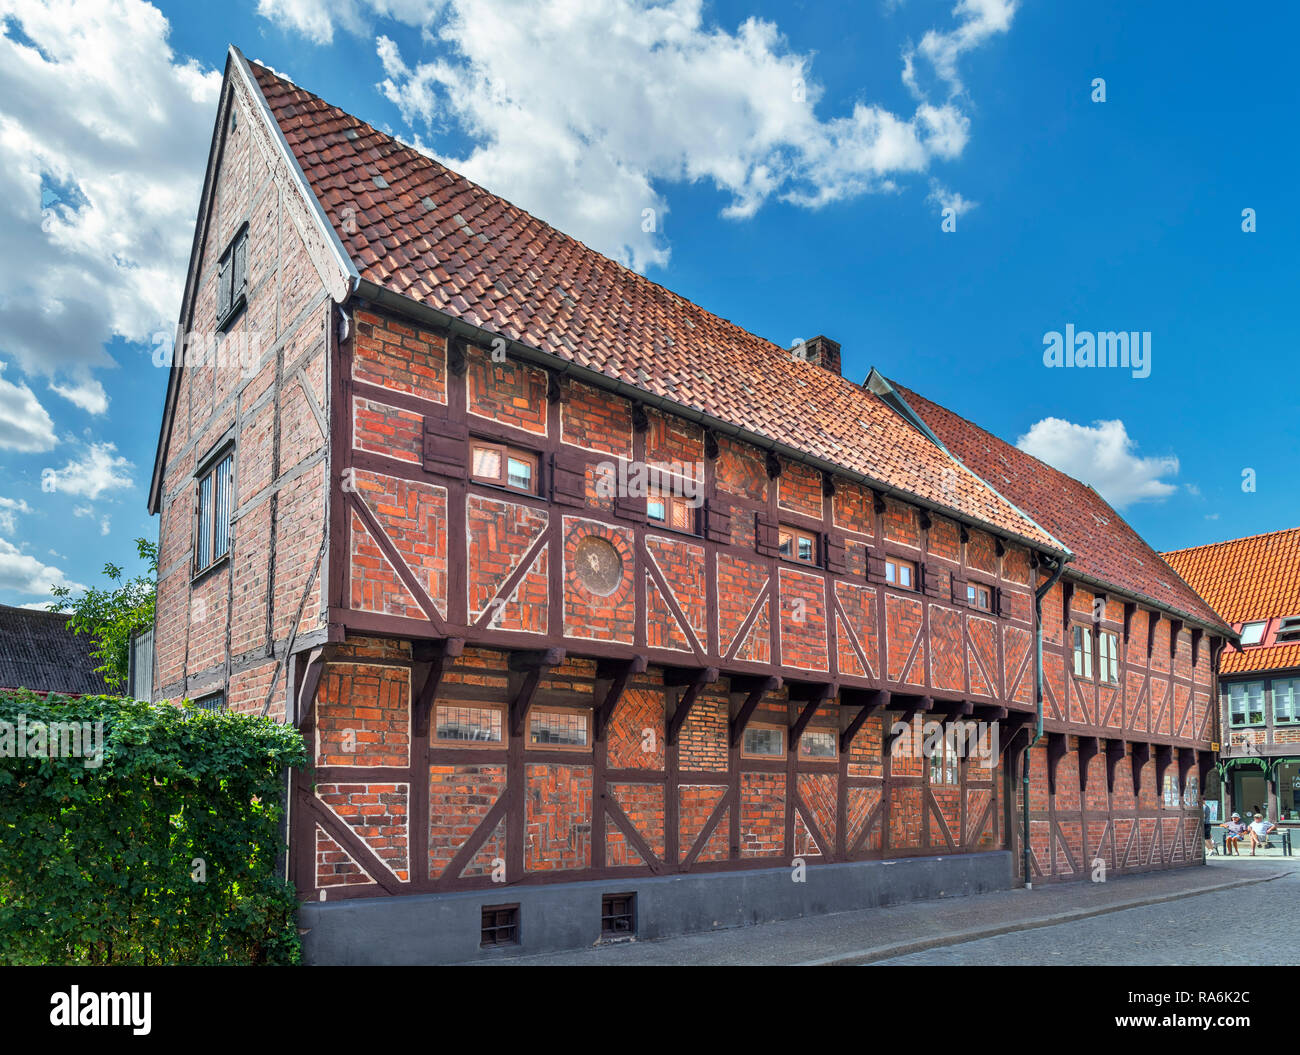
{"type": "Point", "coordinates": [1231, 541]}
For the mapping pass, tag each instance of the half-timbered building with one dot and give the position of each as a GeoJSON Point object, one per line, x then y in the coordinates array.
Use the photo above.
{"type": "Point", "coordinates": [603, 616]}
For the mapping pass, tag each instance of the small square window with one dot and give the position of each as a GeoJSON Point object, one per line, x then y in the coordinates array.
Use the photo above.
{"type": "Point", "coordinates": [1253, 633]}
{"type": "Point", "coordinates": [618, 916]}
{"type": "Point", "coordinates": [763, 741]}
{"type": "Point", "coordinates": [1289, 630]}
{"type": "Point", "coordinates": [670, 507]}
{"type": "Point", "coordinates": [900, 573]}
{"type": "Point", "coordinates": [500, 926]}
{"type": "Point", "coordinates": [213, 702]}
{"type": "Point", "coordinates": [821, 744]}
{"type": "Point", "coordinates": [797, 545]}
{"type": "Point", "coordinates": [503, 466]}
{"type": "Point", "coordinates": [558, 729]}
{"type": "Point", "coordinates": [979, 597]}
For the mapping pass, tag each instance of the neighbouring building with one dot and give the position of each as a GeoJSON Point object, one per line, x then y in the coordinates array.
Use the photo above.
{"type": "Point", "coordinates": [406, 505]}
{"type": "Point", "coordinates": [1254, 583]}
{"type": "Point", "coordinates": [39, 652]}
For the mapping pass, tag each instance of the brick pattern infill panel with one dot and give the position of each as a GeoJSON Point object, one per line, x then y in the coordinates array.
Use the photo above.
{"type": "Point", "coordinates": [334, 866]}
{"type": "Point", "coordinates": [945, 817]}
{"type": "Point", "coordinates": [820, 794]}
{"type": "Point", "coordinates": [671, 440]}
{"type": "Point", "coordinates": [596, 421]}
{"type": "Point", "coordinates": [635, 735]}
{"type": "Point", "coordinates": [902, 523]}
{"type": "Point", "coordinates": [702, 740]}
{"type": "Point", "coordinates": [589, 615]}
{"type": "Point", "coordinates": [947, 671]}
{"type": "Point", "coordinates": [558, 817]}
{"type": "Point", "coordinates": [397, 356]}
{"type": "Point", "coordinates": [762, 814]}
{"type": "Point", "coordinates": [851, 508]}
{"type": "Point", "coordinates": [803, 620]}
{"type": "Point", "coordinates": [902, 628]}
{"type": "Point", "coordinates": [644, 806]}
{"type": "Point", "coordinates": [387, 430]}
{"type": "Point", "coordinates": [982, 656]}
{"type": "Point", "coordinates": [865, 758]}
{"type": "Point", "coordinates": [861, 802]}
{"type": "Point", "coordinates": [740, 470]}
{"type": "Point", "coordinates": [498, 535]}
{"type": "Point", "coordinates": [460, 796]}
{"type": "Point", "coordinates": [799, 489]}
{"type": "Point", "coordinates": [378, 814]}
{"type": "Point", "coordinates": [683, 567]}
{"type": "Point", "coordinates": [414, 517]}
{"type": "Point", "coordinates": [695, 802]}
{"type": "Point", "coordinates": [981, 552]}
{"type": "Point", "coordinates": [363, 716]}
{"type": "Point", "coordinates": [859, 605]}
{"type": "Point", "coordinates": [740, 582]}
{"type": "Point", "coordinates": [1018, 669]}
{"type": "Point", "coordinates": [905, 817]}
{"type": "Point", "coordinates": [509, 392]}
{"type": "Point", "coordinates": [945, 538]}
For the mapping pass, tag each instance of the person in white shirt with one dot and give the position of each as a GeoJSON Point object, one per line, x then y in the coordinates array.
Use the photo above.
{"type": "Point", "coordinates": [1258, 831]}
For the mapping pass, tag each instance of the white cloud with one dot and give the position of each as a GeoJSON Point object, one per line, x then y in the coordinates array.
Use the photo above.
{"type": "Point", "coordinates": [1103, 456]}
{"type": "Point", "coordinates": [89, 395]}
{"type": "Point", "coordinates": [25, 425]}
{"type": "Point", "coordinates": [979, 20]}
{"type": "Point", "coordinates": [583, 113]}
{"type": "Point", "coordinates": [943, 198]}
{"type": "Point", "coordinates": [105, 525]}
{"type": "Point", "coordinates": [103, 136]}
{"type": "Point", "coordinates": [10, 508]}
{"type": "Point", "coordinates": [23, 573]}
{"type": "Point", "coordinates": [98, 470]}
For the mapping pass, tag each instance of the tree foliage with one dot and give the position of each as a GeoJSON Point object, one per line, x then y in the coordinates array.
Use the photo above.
{"type": "Point", "coordinates": [111, 616]}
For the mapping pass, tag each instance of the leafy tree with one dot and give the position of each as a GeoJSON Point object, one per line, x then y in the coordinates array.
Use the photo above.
{"type": "Point", "coordinates": [110, 616]}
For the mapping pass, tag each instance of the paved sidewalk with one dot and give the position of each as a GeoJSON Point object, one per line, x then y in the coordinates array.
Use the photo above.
{"type": "Point", "coordinates": [875, 934]}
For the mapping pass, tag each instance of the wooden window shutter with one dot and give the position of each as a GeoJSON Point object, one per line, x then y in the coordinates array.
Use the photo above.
{"type": "Point", "coordinates": [959, 588]}
{"type": "Point", "coordinates": [836, 562]}
{"type": "Point", "coordinates": [875, 565]}
{"type": "Point", "coordinates": [766, 537]}
{"type": "Point", "coordinates": [717, 521]}
{"type": "Point", "coordinates": [446, 447]}
{"type": "Point", "coordinates": [931, 579]}
{"type": "Point", "coordinates": [568, 480]}
{"type": "Point", "coordinates": [1002, 603]}
{"type": "Point", "coordinates": [223, 287]}
{"type": "Point", "coordinates": [239, 273]}
{"type": "Point", "coordinates": [632, 507]}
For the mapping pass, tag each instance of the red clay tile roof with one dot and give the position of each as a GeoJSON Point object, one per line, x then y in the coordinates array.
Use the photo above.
{"type": "Point", "coordinates": [423, 231]}
{"type": "Point", "coordinates": [1105, 547]}
{"type": "Point", "coordinates": [1246, 579]}
{"type": "Point", "coordinates": [1250, 660]}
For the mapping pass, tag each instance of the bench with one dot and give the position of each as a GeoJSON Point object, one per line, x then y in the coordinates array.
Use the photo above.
{"type": "Point", "coordinates": [1280, 834]}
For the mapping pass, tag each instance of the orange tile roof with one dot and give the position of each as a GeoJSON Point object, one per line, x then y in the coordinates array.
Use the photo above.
{"type": "Point", "coordinates": [418, 229]}
{"type": "Point", "coordinates": [1105, 547]}
{"type": "Point", "coordinates": [1249, 660]}
{"type": "Point", "coordinates": [1246, 579]}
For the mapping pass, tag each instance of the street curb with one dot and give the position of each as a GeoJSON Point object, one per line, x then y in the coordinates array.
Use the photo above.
{"type": "Point", "coordinates": [885, 952]}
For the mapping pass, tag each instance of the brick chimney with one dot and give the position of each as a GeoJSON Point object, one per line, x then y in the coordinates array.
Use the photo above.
{"type": "Point", "coordinates": [822, 351]}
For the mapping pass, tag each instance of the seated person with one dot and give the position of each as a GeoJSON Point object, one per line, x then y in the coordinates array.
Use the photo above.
{"type": "Point", "coordinates": [1233, 830]}
{"type": "Point", "coordinates": [1259, 831]}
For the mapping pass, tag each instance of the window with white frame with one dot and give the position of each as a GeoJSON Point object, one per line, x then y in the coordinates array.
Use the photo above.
{"type": "Point", "coordinates": [1246, 703]}
{"type": "Point", "coordinates": [1286, 697]}
{"type": "Point", "coordinates": [1108, 647]}
{"type": "Point", "coordinates": [1083, 651]}
{"type": "Point", "coordinates": [1252, 633]}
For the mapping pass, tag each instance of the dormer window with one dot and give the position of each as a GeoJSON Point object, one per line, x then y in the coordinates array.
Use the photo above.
{"type": "Point", "coordinates": [1252, 633]}
{"type": "Point", "coordinates": [1288, 631]}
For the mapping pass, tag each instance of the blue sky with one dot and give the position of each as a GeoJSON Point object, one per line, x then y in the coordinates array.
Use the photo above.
{"type": "Point", "coordinates": [790, 208]}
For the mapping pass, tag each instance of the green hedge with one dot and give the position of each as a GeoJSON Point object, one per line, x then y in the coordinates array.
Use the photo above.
{"type": "Point", "coordinates": [164, 852]}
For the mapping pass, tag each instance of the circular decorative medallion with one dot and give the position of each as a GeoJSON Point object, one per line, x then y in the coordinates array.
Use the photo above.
{"type": "Point", "coordinates": [599, 565]}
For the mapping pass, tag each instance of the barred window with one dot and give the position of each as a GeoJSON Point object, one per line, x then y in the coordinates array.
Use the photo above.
{"type": "Point", "coordinates": [763, 741]}
{"type": "Point", "coordinates": [819, 743]}
{"type": "Point", "coordinates": [213, 513]}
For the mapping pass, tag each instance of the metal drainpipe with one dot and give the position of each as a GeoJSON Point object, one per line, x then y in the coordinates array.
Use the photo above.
{"type": "Point", "coordinates": [1039, 594]}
